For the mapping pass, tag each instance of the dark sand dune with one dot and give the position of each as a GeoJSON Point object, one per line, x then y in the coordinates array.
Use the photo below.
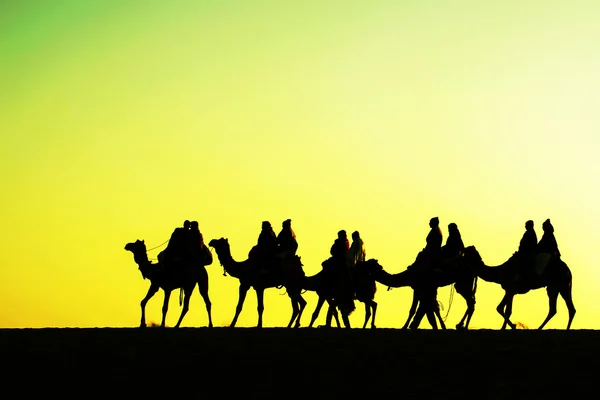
{"type": "Point", "coordinates": [301, 363]}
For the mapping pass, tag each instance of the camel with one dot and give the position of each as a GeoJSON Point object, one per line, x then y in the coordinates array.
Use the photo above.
{"type": "Point", "coordinates": [425, 287]}
{"type": "Point", "coordinates": [556, 278]}
{"type": "Point", "coordinates": [321, 284]}
{"type": "Point", "coordinates": [176, 276]}
{"type": "Point", "coordinates": [363, 289]}
{"type": "Point", "coordinates": [247, 272]}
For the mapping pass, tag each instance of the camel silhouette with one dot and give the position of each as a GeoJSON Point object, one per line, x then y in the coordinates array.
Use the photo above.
{"type": "Point", "coordinates": [183, 276]}
{"type": "Point", "coordinates": [362, 287]}
{"type": "Point", "coordinates": [248, 273]}
{"type": "Point", "coordinates": [425, 284]}
{"type": "Point", "coordinates": [556, 278]}
{"type": "Point", "coordinates": [322, 284]}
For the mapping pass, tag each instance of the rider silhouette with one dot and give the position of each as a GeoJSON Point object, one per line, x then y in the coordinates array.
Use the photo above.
{"type": "Point", "coordinates": [200, 252]}
{"type": "Point", "coordinates": [454, 244]}
{"type": "Point", "coordinates": [265, 248]}
{"type": "Point", "coordinates": [431, 253]}
{"type": "Point", "coordinates": [177, 247]}
{"type": "Point", "coordinates": [546, 248]}
{"type": "Point", "coordinates": [527, 251]}
{"type": "Point", "coordinates": [434, 238]}
{"type": "Point", "coordinates": [287, 240]}
{"type": "Point", "coordinates": [548, 242]}
{"type": "Point", "coordinates": [340, 246]}
{"type": "Point", "coordinates": [357, 252]}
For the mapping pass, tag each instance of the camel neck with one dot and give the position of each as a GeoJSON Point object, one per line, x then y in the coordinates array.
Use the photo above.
{"type": "Point", "coordinates": [229, 264]}
{"type": "Point", "coordinates": [400, 279]}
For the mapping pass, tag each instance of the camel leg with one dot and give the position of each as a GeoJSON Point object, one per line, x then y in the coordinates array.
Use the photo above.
{"type": "Point", "coordinates": [302, 304]}
{"type": "Point", "coordinates": [203, 288]}
{"type": "Point", "coordinates": [508, 312]}
{"type": "Point", "coordinates": [367, 313]}
{"type": "Point", "coordinates": [346, 320]}
{"type": "Point", "coordinates": [413, 309]}
{"type": "Point", "coordinates": [374, 307]}
{"type": "Point", "coordinates": [466, 319]}
{"type": "Point", "coordinates": [151, 292]}
{"type": "Point", "coordinates": [330, 310]}
{"type": "Point", "coordinates": [432, 311]}
{"type": "Point", "coordinates": [186, 305]}
{"type": "Point", "coordinates": [432, 321]}
{"type": "Point", "coordinates": [165, 308]}
{"type": "Point", "coordinates": [470, 311]}
{"type": "Point", "coordinates": [568, 298]}
{"type": "Point", "coordinates": [315, 314]}
{"type": "Point", "coordinates": [552, 297]}
{"type": "Point", "coordinates": [295, 310]}
{"type": "Point", "coordinates": [505, 308]}
{"type": "Point", "coordinates": [335, 316]}
{"type": "Point", "coordinates": [419, 314]}
{"type": "Point", "coordinates": [436, 314]}
{"type": "Point", "coordinates": [243, 290]}
{"type": "Point", "coordinates": [260, 301]}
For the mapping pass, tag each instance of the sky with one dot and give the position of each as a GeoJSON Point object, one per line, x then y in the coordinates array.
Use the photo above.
{"type": "Point", "coordinates": [120, 119]}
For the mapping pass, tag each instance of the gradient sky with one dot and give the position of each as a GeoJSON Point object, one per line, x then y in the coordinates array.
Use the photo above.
{"type": "Point", "coordinates": [120, 119]}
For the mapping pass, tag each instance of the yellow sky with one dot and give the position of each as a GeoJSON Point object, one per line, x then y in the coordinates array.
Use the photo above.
{"type": "Point", "coordinates": [120, 120]}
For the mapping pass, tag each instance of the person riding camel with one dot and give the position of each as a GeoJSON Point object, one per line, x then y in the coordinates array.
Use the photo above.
{"type": "Point", "coordinates": [265, 248]}
{"type": "Point", "coordinates": [176, 249]}
{"type": "Point", "coordinates": [286, 240]}
{"type": "Point", "coordinates": [454, 245]}
{"type": "Point", "coordinates": [431, 253]}
{"type": "Point", "coordinates": [357, 252]}
{"type": "Point", "coordinates": [339, 250]}
{"type": "Point", "coordinates": [546, 248]}
{"type": "Point", "coordinates": [340, 246]}
{"type": "Point", "coordinates": [200, 252]}
{"type": "Point", "coordinates": [527, 250]}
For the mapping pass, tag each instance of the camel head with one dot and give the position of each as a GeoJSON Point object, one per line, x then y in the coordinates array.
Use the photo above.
{"type": "Point", "coordinates": [219, 244]}
{"type": "Point", "coordinates": [137, 247]}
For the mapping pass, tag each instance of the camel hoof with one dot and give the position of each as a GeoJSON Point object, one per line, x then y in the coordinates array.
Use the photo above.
{"type": "Point", "coordinates": [210, 325]}
{"type": "Point", "coordinates": [460, 327]}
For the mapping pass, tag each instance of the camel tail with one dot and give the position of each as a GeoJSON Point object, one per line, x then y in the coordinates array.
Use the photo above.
{"type": "Point", "coordinates": [180, 296]}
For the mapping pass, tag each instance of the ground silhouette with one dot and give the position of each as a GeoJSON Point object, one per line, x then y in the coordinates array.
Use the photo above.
{"type": "Point", "coordinates": [290, 275]}
{"type": "Point", "coordinates": [556, 278]}
{"type": "Point", "coordinates": [184, 277]}
{"type": "Point", "coordinates": [271, 362]}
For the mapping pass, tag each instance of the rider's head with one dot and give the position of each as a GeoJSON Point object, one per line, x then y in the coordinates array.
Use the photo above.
{"type": "Point", "coordinates": [186, 224]}
{"type": "Point", "coordinates": [434, 222]}
{"type": "Point", "coordinates": [266, 225]}
{"type": "Point", "coordinates": [529, 225]}
{"type": "Point", "coordinates": [194, 226]}
{"type": "Point", "coordinates": [452, 227]}
{"type": "Point", "coordinates": [342, 234]}
{"type": "Point", "coordinates": [287, 223]}
{"type": "Point", "coordinates": [355, 235]}
{"type": "Point", "coordinates": [547, 226]}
